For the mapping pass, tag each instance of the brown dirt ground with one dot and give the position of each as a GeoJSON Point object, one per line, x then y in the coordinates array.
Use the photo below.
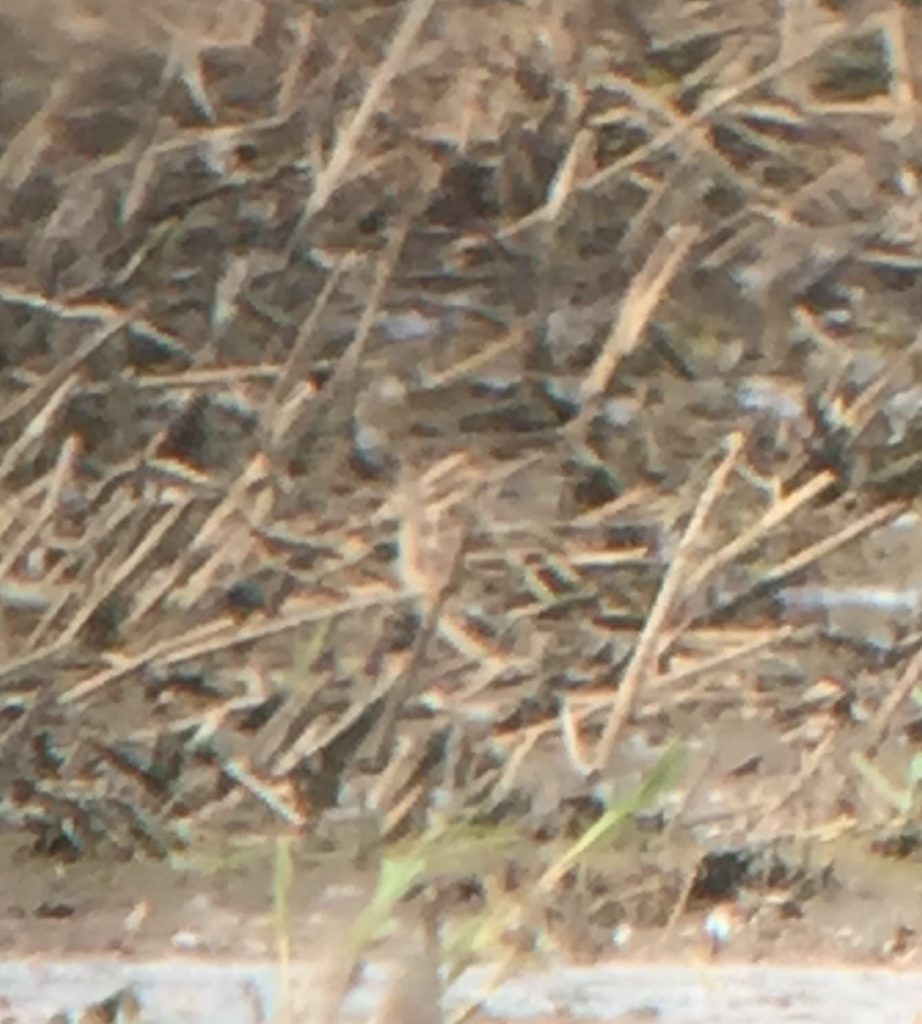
{"type": "Point", "coordinates": [436, 412]}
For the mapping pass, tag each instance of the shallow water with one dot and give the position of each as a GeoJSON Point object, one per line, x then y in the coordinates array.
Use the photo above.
{"type": "Point", "coordinates": [249, 993]}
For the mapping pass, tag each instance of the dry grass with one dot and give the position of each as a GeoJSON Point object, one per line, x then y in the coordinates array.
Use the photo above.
{"type": "Point", "coordinates": [373, 405]}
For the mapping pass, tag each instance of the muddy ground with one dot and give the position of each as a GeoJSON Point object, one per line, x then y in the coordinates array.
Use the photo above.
{"type": "Point", "coordinates": [501, 418]}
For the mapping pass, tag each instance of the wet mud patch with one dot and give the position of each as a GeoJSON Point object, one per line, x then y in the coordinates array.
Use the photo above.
{"type": "Point", "coordinates": [184, 944]}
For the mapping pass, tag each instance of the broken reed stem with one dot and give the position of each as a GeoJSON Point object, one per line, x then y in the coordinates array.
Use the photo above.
{"type": "Point", "coordinates": [867, 404]}
{"type": "Point", "coordinates": [644, 294]}
{"type": "Point", "coordinates": [328, 179]}
{"type": "Point", "coordinates": [38, 427]}
{"type": "Point", "coordinates": [724, 659]}
{"type": "Point", "coordinates": [810, 764]}
{"type": "Point", "coordinates": [773, 578]}
{"type": "Point", "coordinates": [772, 518]}
{"type": "Point", "coordinates": [68, 364]}
{"type": "Point", "coordinates": [299, 359]}
{"type": "Point", "coordinates": [566, 177]}
{"type": "Point", "coordinates": [221, 634]}
{"type": "Point", "coordinates": [63, 471]}
{"type": "Point", "coordinates": [405, 687]}
{"type": "Point", "coordinates": [712, 104]}
{"type": "Point", "coordinates": [800, 560]}
{"type": "Point", "coordinates": [647, 643]}
{"type": "Point", "coordinates": [344, 385]}
{"type": "Point", "coordinates": [122, 569]}
{"type": "Point", "coordinates": [904, 687]}
{"type": "Point", "coordinates": [593, 706]}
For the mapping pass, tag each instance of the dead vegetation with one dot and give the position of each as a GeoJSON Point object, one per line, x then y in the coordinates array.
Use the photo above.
{"type": "Point", "coordinates": [426, 406]}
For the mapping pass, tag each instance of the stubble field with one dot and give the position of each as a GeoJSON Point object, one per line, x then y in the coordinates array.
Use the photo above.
{"type": "Point", "coordinates": [477, 437]}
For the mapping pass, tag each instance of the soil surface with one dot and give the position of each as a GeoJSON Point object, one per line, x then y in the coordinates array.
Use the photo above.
{"type": "Point", "coordinates": [473, 449]}
{"type": "Point", "coordinates": [184, 946]}
{"type": "Point", "coordinates": [865, 916]}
